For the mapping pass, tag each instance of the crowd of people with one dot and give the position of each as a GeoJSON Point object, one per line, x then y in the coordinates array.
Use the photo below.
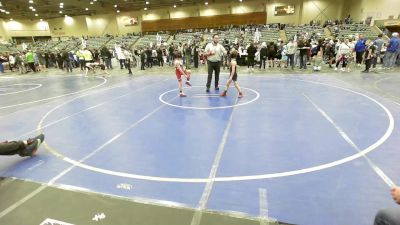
{"type": "Point", "coordinates": [300, 51]}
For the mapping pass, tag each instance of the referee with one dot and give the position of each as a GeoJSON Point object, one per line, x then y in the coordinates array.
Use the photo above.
{"type": "Point", "coordinates": [214, 51]}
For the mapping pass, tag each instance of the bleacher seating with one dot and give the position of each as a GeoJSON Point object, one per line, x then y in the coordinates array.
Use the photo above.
{"type": "Point", "coordinates": [97, 42]}
{"type": "Point", "coordinates": [243, 34]}
{"type": "Point", "coordinates": [147, 39]}
{"type": "Point", "coordinates": [291, 31]}
{"type": "Point", "coordinates": [45, 45]}
{"type": "Point", "coordinates": [269, 34]}
{"type": "Point", "coordinates": [69, 45]}
{"type": "Point", "coordinates": [123, 40]}
{"type": "Point", "coordinates": [347, 30]}
{"type": "Point", "coordinates": [186, 37]}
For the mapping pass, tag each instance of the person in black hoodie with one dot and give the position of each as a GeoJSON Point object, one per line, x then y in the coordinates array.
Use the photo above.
{"type": "Point", "coordinates": [263, 54]}
{"type": "Point", "coordinates": [66, 61]}
{"type": "Point", "coordinates": [370, 55]}
{"type": "Point", "coordinates": [304, 46]}
{"type": "Point", "coordinates": [96, 55]}
{"type": "Point", "coordinates": [142, 59]}
{"type": "Point", "coordinates": [160, 57]}
{"type": "Point", "coordinates": [47, 59]}
{"type": "Point", "coordinates": [272, 50]}
{"type": "Point", "coordinates": [196, 56]}
{"type": "Point", "coordinates": [149, 58]}
{"type": "Point", "coordinates": [59, 60]}
{"type": "Point", "coordinates": [106, 56]}
{"type": "Point", "coordinates": [251, 54]}
{"type": "Point", "coordinates": [53, 60]}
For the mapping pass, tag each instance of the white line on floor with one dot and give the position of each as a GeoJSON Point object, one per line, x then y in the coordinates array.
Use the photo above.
{"type": "Point", "coordinates": [377, 170]}
{"type": "Point", "coordinates": [213, 173]}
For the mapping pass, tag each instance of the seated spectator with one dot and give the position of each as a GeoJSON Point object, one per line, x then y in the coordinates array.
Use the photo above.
{"type": "Point", "coordinates": [22, 148]}
{"type": "Point", "coordinates": [390, 216]}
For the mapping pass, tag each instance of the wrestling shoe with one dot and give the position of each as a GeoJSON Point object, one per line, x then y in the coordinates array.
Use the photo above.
{"type": "Point", "coordinates": [32, 146]}
{"type": "Point", "coordinates": [40, 137]}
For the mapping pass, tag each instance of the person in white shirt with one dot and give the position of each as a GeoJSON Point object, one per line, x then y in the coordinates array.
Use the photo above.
{"type": "Point", "coordinates": [291, 49]}
{"type": "Point", "coordinates": [257, 36]}
{"type": "Point", "coordinates": [128, 59]}
{"type": "Point", "coordinates": [343, 54]}
{"type": "Point", "coordinates": [214, 52]}
{"type": "Point", "coordinates": [120, 55]}
{"type": "Point", "coordinates": [11, 61]}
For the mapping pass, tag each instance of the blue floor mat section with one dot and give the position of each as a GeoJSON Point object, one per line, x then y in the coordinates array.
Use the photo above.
{"type": "Point", "coordinates": [122, 127]}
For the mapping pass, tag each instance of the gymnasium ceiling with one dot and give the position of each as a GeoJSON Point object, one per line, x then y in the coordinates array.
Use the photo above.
{"type": "Point", "coordinates": [46, 9]}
